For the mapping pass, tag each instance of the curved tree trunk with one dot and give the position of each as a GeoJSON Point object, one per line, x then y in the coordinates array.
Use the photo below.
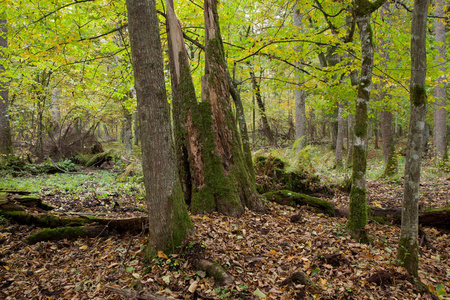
{"type": "Point", "coordinates": [5, 130]}
{"type": "Point", "coordinates": [169, 221]}
{"type": "Point", "coordinates": [440, 91]}
{"type": "Point", "coordinates": [408, 248]}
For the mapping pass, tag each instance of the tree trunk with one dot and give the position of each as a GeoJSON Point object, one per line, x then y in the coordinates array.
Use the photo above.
{"type": "Point", "coordinates": [300, 95]}
{"type": "Point", "coordinates": [386, 118]}
{"type": "Point", "coordinates": [440, 90]}
{"type": "Point", "coordinates": [127, 130]}
{"type": "Point", "coordinates": [340, 136]}
{"type": "Point", "coordinates": [5, 130]}
{"type": "Point", "coordinates": [169, 222]}
{"type": "Point", "coordinates": [213, 167]}
{"type": "Point", "coordinates": [136, 129]}
{"type": "Point", "coordinates": [262, 110]}
{"type": "Point", "coordinates": [408, 248]}
{"type": "Point", "coordinates": [358, 205]}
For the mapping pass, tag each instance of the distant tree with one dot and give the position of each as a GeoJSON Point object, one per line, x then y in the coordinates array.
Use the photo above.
{"type": "Point", "coordinates": [440, 90]}
{"type": "Point", "coordinates": [5, 130]}
{"type": "Point", "coordinates": [169, 222]}
{"type": "Point", "coordinates": [408, 247]}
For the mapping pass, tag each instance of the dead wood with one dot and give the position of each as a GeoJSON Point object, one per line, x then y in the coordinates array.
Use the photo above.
{"type": "Point", "coordinates": [131, 294]}
{"type": "Point", "coordinates": [214, 270]}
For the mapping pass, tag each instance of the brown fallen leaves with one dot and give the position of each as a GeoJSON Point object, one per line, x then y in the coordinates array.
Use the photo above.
{"type": "Point", "coordinates": [260, 251]}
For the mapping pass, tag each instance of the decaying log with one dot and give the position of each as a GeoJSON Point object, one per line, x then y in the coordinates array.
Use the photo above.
{"type": "Point", "coordinates": [437, 218]}
{"type": "Point", "coordinates": [214, 270]}
{"type": "Point", "coordinates": [286, 197]}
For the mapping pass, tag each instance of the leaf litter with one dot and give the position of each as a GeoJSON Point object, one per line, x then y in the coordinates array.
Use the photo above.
{"type": "Point", "coordinates": [267, 254]}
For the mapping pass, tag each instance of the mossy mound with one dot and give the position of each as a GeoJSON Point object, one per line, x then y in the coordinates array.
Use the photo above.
{"type": "Point", "coordinates": [271, 175]}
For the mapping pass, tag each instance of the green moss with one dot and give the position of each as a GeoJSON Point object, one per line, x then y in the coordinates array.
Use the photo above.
{"type": "Point", "coordinates": [357, 219]}
{"type": "Point", "coordinates": [380, 220]}
{"type": "Point", "coordinates": [418, 95]}
{"type": "Point", "coordinates": [286, 197]}
{"type": "Point", "coordinates": [48, 234]}
{"type": "Point", "coordinates": [52, 221]}
{"type": "Point", "coordinates": [408, 255]}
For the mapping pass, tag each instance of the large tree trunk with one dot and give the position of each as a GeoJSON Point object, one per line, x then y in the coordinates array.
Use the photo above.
{"type": "Point", "coordinates": [226, 174]}
{"type": "Point", "coordinates": [262, 110]}
{"type": "Point", "coordinates": [213, 168]}
{"type": "Point", "coordinates": [408, 248]}
{"type": "Point", "coordinates": [5, 130]}
{"type": "Point", "coordinates": [358, 205]}
{"type": "Point", "coordinates": [169, 222]}
{"type": "Point", "coordinates": [440, 90]}
{"type": "Point", "coordinates": [300, 95]}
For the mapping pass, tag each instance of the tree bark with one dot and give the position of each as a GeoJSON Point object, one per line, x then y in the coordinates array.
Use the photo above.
{"type": "Point", "coordinates": [169, 222]}
{"type": "Point", "coordinates": [408, 248]}
{"type": "Point", "coordinates": [5, 130]}
{"type": "Point", "coordinates": [358, 205]}
{"type": "Point", "coordinates": [262, 110]}
{"type": "Point", "coordinates": [229, 186]}
{"type": "Point", "coordinates": [340, 136]}
{"type": "Point", "coordinates": [127, 130]}
{"type": "Point", "coordinates": [300, 95]}
{"type": "Point", "coordinates": [440, 90]}
{"type": "Point", "coordinates": [386, 117]}
{"type": "Point", "coordinates": [214, 170]}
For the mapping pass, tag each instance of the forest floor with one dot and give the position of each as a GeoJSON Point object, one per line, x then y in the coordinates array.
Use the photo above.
{"type": "Point", "coordinates": [261, 251]}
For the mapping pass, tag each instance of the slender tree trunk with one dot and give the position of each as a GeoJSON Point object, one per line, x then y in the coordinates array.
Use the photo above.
{"type": "Point", "coordinates": [136, 128]}
{"type": "Point", "coordinates": [440, 90]}
{"type": "Point", "coordinates": [262, 110]}
{"type": "Point", "coordinates": [358, 205]}
{"type": "Point", "coordinates": [386, 117]}
{"type": "Point", "coordinates": [340, 136]}
{"type": "Point", "coordinates": [127, 130]}
{"type": "Point", "coordinates": [5, 129]}
{"type": "Point", "coordinates": [408, 247]}
{"type": "Point", "coordinates": [169, 222]}
{"type": "Point", "coordinates": [300, 95]}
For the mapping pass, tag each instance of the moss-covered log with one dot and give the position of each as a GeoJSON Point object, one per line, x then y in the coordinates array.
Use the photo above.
{"type": "Point", "coordinates": [214, 270]}
{"type": "Point", "coordinates": [98, 159]}
{"type": "Point", "coordinates": [272, 175]}
{"type": "Point", "coordinates": [70, 233]}
{"type": "Point", "coordinates": [286, 197]}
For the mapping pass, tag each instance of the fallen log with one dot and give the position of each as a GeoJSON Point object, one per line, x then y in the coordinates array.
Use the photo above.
{"type": "Point", "coordinates": [437, 218]}
{"type": "Point", "coordinates": [69, 233]}
{"type": "Point", "coordinates": [286, 197]}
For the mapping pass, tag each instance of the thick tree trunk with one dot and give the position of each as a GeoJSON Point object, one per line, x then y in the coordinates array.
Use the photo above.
{"type": "Point", "coordinates": [169, 222]}
{"type": "Point", "coordinates": [408, 248]}
{"type": "Point", "coordinates": [228, 185]}
{"type": "Point", "coordinates": [213, 168]}
{"type": "Point", "coordinates": [300, 95]}
{"type": "Point", "coordinates": [5, 130]}
{"type": "Point", "coordinates": [440, 90]}
{"type": "Point", "coordinates": [262, 110]}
